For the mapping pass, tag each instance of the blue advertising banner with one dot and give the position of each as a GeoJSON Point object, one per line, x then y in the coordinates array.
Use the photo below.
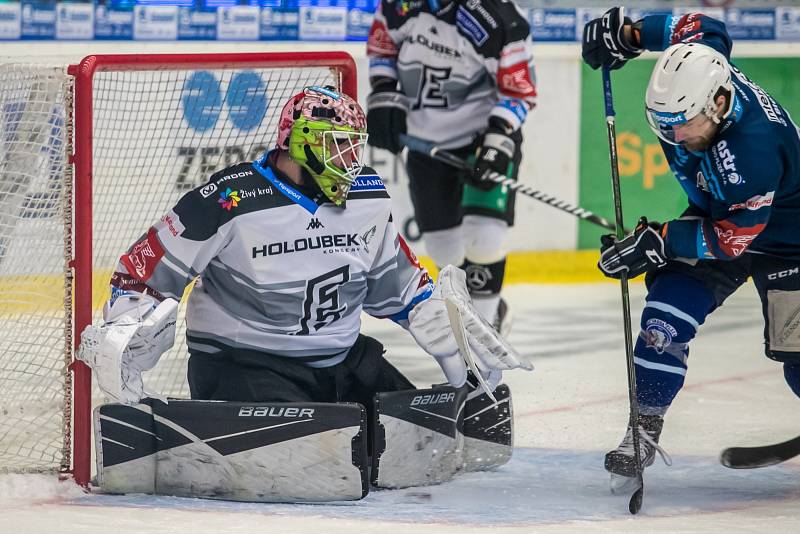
{"type": "Point", "coordinates": [553, 24]}
{"type": "Point", "coordinates": [38, 20]}
{"type": "Point", "coordinates": [199, 23]}
{"type": "Point", "coordinates": [313, 20]}
{"type": "Point", "coordinates": [74, 21]}
{"type": "Point", "coordinates": [753, 24]}
{"type": "Point", "coordinates": [359, 19]}
{"type": "Point", "coordinates": [10, 21]}
{"type": "Point", "coordinates": [113, 21]}
{"type": "Point", "coordinates": [280, 23]}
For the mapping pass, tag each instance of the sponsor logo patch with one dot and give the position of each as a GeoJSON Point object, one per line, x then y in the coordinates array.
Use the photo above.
{"type": "Point", "coordinates": [471, 27]}
{"type": "Point", "coordinates": [208, 190]}
{"type": "Point", "coordinates": [229, 199]}
{"type": "Point", "coordinates": [755, 202]}
{"type": "Point", "coordinates": [141, 261]}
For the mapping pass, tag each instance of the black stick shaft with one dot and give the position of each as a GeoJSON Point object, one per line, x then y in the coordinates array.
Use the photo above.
{"type": "Point", "coordinates": [636, 500]}
{"type": "Point", "coordinates": [431, 150]}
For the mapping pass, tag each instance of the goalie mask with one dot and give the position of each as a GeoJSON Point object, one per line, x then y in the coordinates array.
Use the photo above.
{"type": "Point", "coordinates": [325, 133]}
{"type": "Point", "coordinates": [685, 84]}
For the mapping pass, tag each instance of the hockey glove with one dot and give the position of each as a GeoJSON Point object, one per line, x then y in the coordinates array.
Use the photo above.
{"type": "Point", "coordinates": [604, 42]}
{"type": "Point", "coordinates": [386, 116]}
{"type": "Point", "coordinates": [641, 251]}
{"type": "Point", "coordinates": [484, 349]}
{"type": "Point", "coordinates": [136, 331]}
{"type": "Point", "coordinates": [494, 156]}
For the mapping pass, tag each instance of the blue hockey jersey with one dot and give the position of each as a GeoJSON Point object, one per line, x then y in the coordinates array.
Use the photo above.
{"type": "Point", "coordinates": [746, 185]}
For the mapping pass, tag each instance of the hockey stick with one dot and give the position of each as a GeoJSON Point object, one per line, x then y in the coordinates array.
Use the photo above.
{"type": "Point", "coordinates": [433, 151]}
{"type": "Point", "coordinates": [635, 503]}
{"type": "Point", "coordinates": [457, 325]}
{"type": "Point", "coordinates": [763, 456]}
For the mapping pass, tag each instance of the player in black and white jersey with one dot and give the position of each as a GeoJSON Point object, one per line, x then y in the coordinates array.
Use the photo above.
{"type": "Point", "coordinates": [456, 73]}
{"type": "Point", "coordinates": [282, 273]}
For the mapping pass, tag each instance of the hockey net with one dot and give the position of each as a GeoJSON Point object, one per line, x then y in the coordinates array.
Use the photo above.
{"type": "Point", "coordinates": [142, 131]}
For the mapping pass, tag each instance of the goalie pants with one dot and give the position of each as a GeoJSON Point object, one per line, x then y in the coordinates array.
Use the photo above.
{"type": "Point", "coordinates": [681, 295]}
{"type": "Point", "coordinates": [252, 376]}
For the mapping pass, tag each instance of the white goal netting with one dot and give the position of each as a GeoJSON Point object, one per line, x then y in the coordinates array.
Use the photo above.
{"type": "Point", "coordinates": [157, 133]}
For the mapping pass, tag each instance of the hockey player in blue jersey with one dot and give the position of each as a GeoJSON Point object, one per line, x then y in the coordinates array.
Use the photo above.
{"type": "Point", "coordinates": [736, 154]}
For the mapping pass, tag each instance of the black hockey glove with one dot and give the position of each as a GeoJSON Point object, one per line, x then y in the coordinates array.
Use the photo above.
{"type": "Point", "coordinates": [495, 155]}
{"type": "Point", "coordinates": [386, 116]}
{"type": "Point", "coordinates": [604, 42]}
{"type": "Point", "coordinates": [641, 251]}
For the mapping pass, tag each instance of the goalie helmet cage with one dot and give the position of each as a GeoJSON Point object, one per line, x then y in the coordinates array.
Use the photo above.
{"type": "Point", "coordinates": [135, 132]}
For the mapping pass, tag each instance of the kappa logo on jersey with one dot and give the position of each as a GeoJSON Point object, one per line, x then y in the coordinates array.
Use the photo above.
{"type": "Point", "coordinates": [208, 190]}
{"type": "Point", "coordinates": [229, 199]}
{"type": "Point", "coordinates": [314, 224]}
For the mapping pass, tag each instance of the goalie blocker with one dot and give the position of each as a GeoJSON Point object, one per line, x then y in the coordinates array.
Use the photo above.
{"type": "Point", "coordinates": [300, 452]}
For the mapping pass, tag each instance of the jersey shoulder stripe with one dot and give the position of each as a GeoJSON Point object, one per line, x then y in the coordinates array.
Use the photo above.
{"type": "Point", "coordinates": [368, 185]}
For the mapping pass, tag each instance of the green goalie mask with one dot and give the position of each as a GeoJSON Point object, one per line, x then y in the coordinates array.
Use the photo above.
{"type": "Point", "coordinates": [327, 137]}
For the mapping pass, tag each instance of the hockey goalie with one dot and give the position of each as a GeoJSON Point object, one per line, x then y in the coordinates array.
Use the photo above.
{"type": "Point", "coordinates": [289, 401]}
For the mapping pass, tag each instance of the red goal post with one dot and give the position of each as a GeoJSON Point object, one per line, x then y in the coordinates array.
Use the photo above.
{"type": "Point", "coordinates": [139, 131]}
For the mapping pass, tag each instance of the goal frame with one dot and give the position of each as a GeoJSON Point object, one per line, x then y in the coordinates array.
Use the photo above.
{"type": "Point", "coordinates": [81, 163]}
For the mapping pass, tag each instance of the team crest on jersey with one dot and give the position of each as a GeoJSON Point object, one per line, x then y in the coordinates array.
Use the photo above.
{"type": "Point", "coordinates": [659, 334]}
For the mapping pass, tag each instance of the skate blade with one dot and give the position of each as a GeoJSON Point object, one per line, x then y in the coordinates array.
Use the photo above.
{"type": "Point", "coordinates": [622, 485]}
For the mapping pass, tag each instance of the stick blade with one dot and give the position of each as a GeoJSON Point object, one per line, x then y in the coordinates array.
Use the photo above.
{"type": "Point", "coordinates": [764, 456]}
{"type": "Point", "coordinates": [457, 325]}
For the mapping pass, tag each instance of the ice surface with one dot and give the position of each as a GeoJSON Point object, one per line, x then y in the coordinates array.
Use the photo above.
{"type": "Point", "coordinates": [568, 412]}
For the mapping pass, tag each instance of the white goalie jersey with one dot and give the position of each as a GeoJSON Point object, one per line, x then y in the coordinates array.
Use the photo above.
{"type": "Point", "coordinates": [277, 271]}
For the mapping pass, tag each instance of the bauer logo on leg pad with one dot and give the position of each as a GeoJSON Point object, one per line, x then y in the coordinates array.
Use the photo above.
{"type": "Point", "coordinates": [271, 452]}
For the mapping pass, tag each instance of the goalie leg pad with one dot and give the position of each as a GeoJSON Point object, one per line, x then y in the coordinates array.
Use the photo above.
{"type": "Point", "coordinates": [417, 437]}
{"type": "Point", "coordinates": [488, 429]}
{"type": "Point", "coordinates": [259, 452]}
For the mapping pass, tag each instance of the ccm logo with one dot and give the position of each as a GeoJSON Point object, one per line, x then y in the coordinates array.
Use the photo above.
{"type": "Point", "coordinates": [438, 398]}
{"type": "Point", "coordinates": [783, 274]}
{"type": "Point", "coordinates": [274, 411]}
